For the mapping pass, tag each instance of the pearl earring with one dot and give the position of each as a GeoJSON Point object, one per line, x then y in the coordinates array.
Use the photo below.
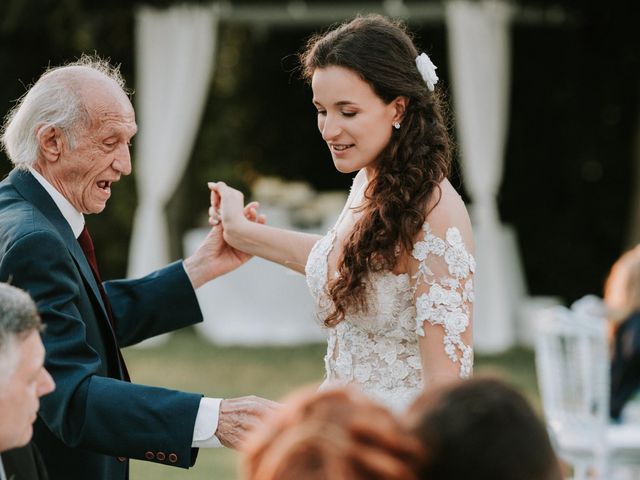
{"type": "Point", "coordinates": [396, 125]}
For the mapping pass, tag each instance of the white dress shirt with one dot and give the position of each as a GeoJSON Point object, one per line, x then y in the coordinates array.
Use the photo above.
{"type": "Point", "coordinates": [209, 409]}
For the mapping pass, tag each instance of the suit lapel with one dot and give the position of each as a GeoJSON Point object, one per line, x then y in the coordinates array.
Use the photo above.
{"type": "Point", "coordinates": [35, 194]}
{"type": "Point", "coordinates": [24, 463]}
{"type": "Point", "coordinates": [31, 190]}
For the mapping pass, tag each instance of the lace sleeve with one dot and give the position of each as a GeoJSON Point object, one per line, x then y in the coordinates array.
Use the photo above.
{"type": "Point", "coordinates": [442, 280]}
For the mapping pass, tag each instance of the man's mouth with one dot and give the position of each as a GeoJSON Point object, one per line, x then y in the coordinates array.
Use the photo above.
{"type": "Point", "coordinates": [105, 185]}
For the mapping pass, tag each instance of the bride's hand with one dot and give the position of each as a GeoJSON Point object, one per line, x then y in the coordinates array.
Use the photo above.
{"type": "Point", "coordinates": [227, 206]}
{"type": "Point", "coordinates": [216, 255]}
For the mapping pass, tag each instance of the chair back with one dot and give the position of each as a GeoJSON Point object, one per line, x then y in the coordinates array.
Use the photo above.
{"type": "Point", "coordinates": [572, 365]}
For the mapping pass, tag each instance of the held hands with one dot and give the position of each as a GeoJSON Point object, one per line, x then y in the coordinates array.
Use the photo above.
{"type": "Point", "coordinates": [238, 416]}
{"type": "Point", "coordinates": [214, 256]}
{"type": "Point", "coordinates": [227, 208]}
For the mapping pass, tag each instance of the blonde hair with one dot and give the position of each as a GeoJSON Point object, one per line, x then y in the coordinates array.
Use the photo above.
{"type": "Point", "coordinates": [622, 287]}
{"type": "Point", "coordinates": [337, 434]}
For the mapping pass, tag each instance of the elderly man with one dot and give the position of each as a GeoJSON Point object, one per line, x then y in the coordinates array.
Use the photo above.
{"type": "Point", "coordinates": [23, 380]}
{"type": "Point", "coordinates": [68, 139]}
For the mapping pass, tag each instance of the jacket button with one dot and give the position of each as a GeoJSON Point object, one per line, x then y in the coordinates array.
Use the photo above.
{"type": "Point", "coordinates": [160, 456]}
{"type": "Point", "coordinates": [122, 459]}
{"type": "Point", "coordinates": [149, 455]}
{"type": "Point", "coordinates": [173, 458]}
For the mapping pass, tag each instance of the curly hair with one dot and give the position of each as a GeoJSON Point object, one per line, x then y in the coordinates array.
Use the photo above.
{"type": "Point", "coordinates": [411, 166]}
{"type": "Point", "coordinates": [337, 434]}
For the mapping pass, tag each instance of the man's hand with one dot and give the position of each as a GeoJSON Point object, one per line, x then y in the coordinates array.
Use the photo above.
{"type": "Point", "coordinates": [238, 416]}
{"type": "Point", "coordinates": [214, 256]}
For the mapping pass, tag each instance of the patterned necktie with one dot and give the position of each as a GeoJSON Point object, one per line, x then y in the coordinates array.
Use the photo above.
{"type": "Point", "coordinates": [86, 243]}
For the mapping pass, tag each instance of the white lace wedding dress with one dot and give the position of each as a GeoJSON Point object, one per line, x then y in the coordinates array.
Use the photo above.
{"type": "Point", "coordinates": [379, 350]}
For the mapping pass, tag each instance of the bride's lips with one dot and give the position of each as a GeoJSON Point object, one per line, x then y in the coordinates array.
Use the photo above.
{"type": "Point", "coordinates": [340, 148]}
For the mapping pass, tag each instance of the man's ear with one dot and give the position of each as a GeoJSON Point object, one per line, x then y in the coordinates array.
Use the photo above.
{"type": "Point", "coordinates": [400, 105]}
{"type": "Point", "coordinates": [50, 143]}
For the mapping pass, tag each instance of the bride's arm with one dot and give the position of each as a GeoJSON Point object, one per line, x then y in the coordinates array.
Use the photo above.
{"type": "Point", "coordinates": [285, 247]}
{"type": "Point", "coordinates": [441, 267]}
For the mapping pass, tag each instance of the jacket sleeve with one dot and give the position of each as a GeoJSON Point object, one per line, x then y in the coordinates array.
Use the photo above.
{"type": "Point", "coordinates": [160, 302]}
{"type": "Point", "coordinates": [89, 410]}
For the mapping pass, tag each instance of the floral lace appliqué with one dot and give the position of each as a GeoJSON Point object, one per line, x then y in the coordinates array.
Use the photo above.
{"type": "Point", "coordinates": [446, 300]}
{"type": "Point", "coordinates": [379, 350]}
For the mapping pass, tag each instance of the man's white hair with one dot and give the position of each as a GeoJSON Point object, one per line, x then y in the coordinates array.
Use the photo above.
{"type": "Point", "coordinates": [55, 100]}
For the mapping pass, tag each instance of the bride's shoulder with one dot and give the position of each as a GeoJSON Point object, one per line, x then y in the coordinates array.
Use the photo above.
{"type": "Point", "coordinates": [446, 210]}
{"type": "Point", "coordinates": [445, 201]}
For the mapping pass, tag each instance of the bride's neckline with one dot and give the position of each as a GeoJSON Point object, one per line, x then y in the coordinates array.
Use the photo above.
{"type": "Point", "coordinates": [333, 233]}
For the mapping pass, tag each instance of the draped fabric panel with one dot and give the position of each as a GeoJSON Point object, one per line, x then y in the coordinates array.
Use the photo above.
{"type": "Point", "coordinates": [479, 54]}
{"type": "Point", "coordinates": [175, 51]}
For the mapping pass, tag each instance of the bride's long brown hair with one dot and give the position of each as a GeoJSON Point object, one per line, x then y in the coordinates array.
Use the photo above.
{"type": "Point", "coordinates": [409, 169]}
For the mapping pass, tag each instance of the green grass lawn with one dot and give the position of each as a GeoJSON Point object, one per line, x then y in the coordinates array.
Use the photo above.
{"type": "Point", "coordinates": [188, 363]}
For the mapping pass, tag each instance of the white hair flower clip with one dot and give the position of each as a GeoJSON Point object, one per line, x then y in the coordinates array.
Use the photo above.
{"type": "Point", "coordinates": [428, 70]}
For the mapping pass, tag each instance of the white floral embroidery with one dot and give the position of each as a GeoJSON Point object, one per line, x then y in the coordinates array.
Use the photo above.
{"type": "Point", "coordinates": [362, 372]}
{"type": "Point", "coordinates": [430, 244]}
{"type": "Point", "coordinates": [379, 350]}
{"type": "Point", "coordinates": [447, 300]}
{"type": "Point", "coordinates": [420, 250]}
{"type": "Point", "coordinates": [467, 294]}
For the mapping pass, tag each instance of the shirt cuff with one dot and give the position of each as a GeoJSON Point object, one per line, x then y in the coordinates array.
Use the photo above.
{"type": "Point", "coordinates": [204, 431]}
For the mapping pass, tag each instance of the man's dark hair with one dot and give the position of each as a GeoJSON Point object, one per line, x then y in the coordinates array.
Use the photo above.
{"type": "Point", "coordinates": [482, 429]}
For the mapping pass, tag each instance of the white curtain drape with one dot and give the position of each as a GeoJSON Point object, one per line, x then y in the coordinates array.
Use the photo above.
{"type": "Point", "coordinates": [175, 51]}
{"type": "Point", "coordinates": [479, 52]}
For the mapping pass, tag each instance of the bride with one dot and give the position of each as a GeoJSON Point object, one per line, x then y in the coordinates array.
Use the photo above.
{"type": "Point", "coordinates": [392, 279]}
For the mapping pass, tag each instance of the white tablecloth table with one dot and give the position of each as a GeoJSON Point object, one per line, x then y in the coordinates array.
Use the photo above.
{"type": "Point", "coordinates": [260, 303]}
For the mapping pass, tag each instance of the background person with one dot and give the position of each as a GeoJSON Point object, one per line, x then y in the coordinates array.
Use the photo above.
{"type": "Point", "coordinates": [23, 380]}
{"type": "Point", "coordinates": [482, 429]}
{"type": "Point", "coordinates": [622, 299]}
{"type": "Point", "coordinates": [337, 434]}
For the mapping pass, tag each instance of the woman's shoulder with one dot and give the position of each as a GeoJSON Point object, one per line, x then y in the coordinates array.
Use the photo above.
{"type": "Point", "coordinates": [445, 211]}
{"type": "Point", "coordinates": [446, 205]}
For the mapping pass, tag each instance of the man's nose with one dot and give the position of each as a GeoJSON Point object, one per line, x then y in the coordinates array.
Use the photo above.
{"type": "Point", "coordinates": [122, 160]}
{"type": "Point", "coordinates": [45, 384]}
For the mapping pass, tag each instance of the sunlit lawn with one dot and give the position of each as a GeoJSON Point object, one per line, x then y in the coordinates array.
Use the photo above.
{"type": "Point", "coordinates": [188, 363]}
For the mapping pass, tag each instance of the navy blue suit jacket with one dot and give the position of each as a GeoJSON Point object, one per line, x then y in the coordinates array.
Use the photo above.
{"type": "Point", "coordinates": [24, 463]}
{"type": "Point", "coordinates": [94, 420]}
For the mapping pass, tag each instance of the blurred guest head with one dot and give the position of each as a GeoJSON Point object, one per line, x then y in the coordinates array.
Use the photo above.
{"type": "Point", "coordinates": [622, 288]}
{"type": "Point", "coordinates": [481, 429]}
{"type": "Point", "coordinates": [331, 435]}
{"type": "Point", "coordinates": [23, 378]}
{"type": "Point", "coordinates": [622, 299]}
